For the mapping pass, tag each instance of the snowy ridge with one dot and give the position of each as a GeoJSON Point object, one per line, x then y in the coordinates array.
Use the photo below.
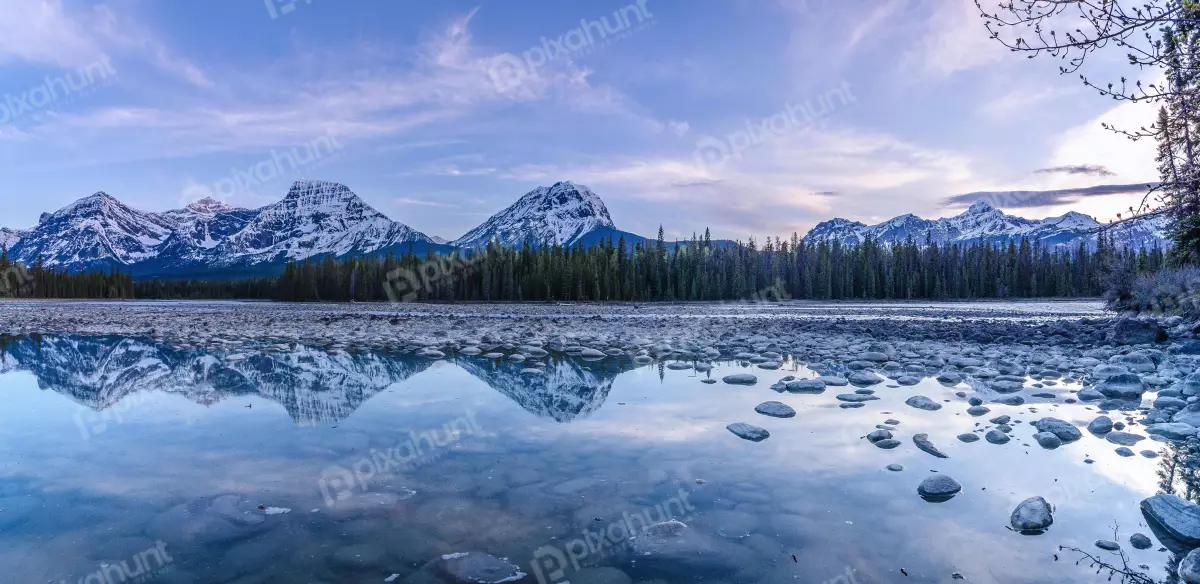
{"type": "Point", "coordinates": [9, 238]}
{"type": "Point", "coordinates": [559, 214]}
{"type": "Point", "coordinates": [984, 223]}
{"type": "Point", "coordinates": [315, 218]}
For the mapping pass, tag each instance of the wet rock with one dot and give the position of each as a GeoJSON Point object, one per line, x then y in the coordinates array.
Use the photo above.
{"type": "Point", "coordinates": [856, 397]}
{"type": "Point", "coordinates": [1108, 544]}
{"type": "Point", "coordinates": [1001, 419]}
{"type": "Point", "coordinates": [740, 379]}
{"type": "Point", "coordinates": [978, 410]}
{"type": "Point", "coordinates": [1032, 516]}
{"type": "Point", "coordinates": [1124, 452]}
{"type": "Point", "coordinates": [1168, 402]}
{"type": "Point", "coordinates": [1148, 454]}
{"type": "Point", "coordinates": [863, 378]}
{"type": "Point", "coordinates": [996, 437]}
{"type": "Point", "coordinates": [1171, 430]}
{"type": "Point", "coordinates": [1128, 331]}
{"type": "Point", "coordinates": [1124, 438]}
{"type": "Point", "coordinates": [1047, 440]}
{"type": "Point", "coordinates": [1010, 400]}
{"type": "Point", "coordinates": [877, 435]}
{"type": "Point", "coordinates": [1189, 568]}
{"type": "Point", "coordinates": [1100, 425]}
{"type": "Point", "coordinates": [1140, 541]}
{"type": "Point", "coordinates": [1122, 386]}
{"type": "Point", "coordinates": [888, 443]}
{"type": "Point", "coordinates": [1178, 518]}
{"type": "Point", "coordinates": [1065, 431]}
{"type": "Point", "coordinates": [895, 467]}
{"type": "Point", "coordinates": [466, 568]}
{"type": "Point", "coordinates": [674, 548]}
{"type": "Point", "coordinates": [968, 437]}
{"type": "Point", "coordinates": [938, 487]}
{"type": "Point", "coordinates": [834, 380]}
{"type": "Point", "coordinates": [805, 386]}
{"type": "Point", "coordinates": [974, 401]}
{"type": "Point", "coordinates": [775, 409]}
{"type": "Point", "coordinates": [949, 378]}
{"type": "Point", "coordinates": [923, 403]}
{"type": "Point", "coordinates": [922, 442]}
{"type": "Point", "coordinates": [748, 432]}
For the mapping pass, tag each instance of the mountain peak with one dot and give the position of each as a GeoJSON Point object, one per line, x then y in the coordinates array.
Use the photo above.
{"type": "Point", "coordinates": [980, 207]}
{"type": "Point", "coordinates": [208, 206]}
{"type": "Point", "coordinates": [559, 214]}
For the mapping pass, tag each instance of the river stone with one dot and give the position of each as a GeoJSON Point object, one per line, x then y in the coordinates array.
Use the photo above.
{"type": "Point", "coordinates": [938, 487]}
{"type": "Point", "coordinates": [834, 380]}
{"type": "Point", "coordinates": [681, 551]}
{"type": "Point", "coordinates": [748, 432]}
{"type": "Point", "coordinates": [1189, 415]}
{"type": "Point", "coordinates": [856, 397]}
{"type": "Point", "coordinates": [1100, 425]}
{"type": "Point", "coordinates": [775, 409]}
{"type": "Point", "coordinates": [923, 403]}
{"type": "Point", "coordinates": [1179, 518]}
{"type": "Point", "coordinates": [740, 379]}
{"type": "Point", "coordinates": [1122, 386]}
{"type": "Point", "coordinates": [1189, 568]}
{"type": "Point", "coordinates": [1108, 544]}
{"type": "Point", "coordinates": [996, 437]}
{"type": "Point", "coordinates": [805, 386]}
{"type": "Point", "coordinates": [1065, 431]}
{"type": "Point", "coordinates": [1047, 440]}
{"type": "Point", "coordinates": [922, 442]}
{"type": "Point", "coordinates": [1166, 402]}
{"type": "Point", "coordinates": [466, 568]}
{"type": "Point", "coordinates": [864, 378]}
{"type": "Point", "coordinates": [949, 378]}
{"type": "Point", "coordinates": [1010, 400]}
{"type": "Point", "coordinates": [887, 443]}
{"type": "Point", "coordinates": [978, 410]}
{"type": "Point", "coordinates": [1140, 541]}
{"type": "Point", "coordinates": [895, 467]}
{"type": "Point", "coordinates": [877, 435]}
{"type": "Point", "coordinates": [1171, 430]}
{"type": "Point", "coordinates": [1124, 438]}
{"type": "Point", "coordinates": [1124, 451]}
{"type": "Point", "coordinates": [1128, 331]}
{"type": "Point", "coordinates": [968, 437]}
{"type": "Point", "coordinates": [1033, 515]}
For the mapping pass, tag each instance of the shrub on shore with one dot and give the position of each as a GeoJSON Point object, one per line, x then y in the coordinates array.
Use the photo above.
{"type": "Point", "coordinates": [1166, 291]}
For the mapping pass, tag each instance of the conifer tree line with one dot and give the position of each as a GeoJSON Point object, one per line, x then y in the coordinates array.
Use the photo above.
{"type": "Point", "coordinates": [698, 270]}
{"type": "Point", "coordinates": [18, 281]}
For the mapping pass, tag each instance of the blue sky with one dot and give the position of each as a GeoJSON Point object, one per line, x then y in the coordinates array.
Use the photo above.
{"type": "Point", "coordinates": [752, 117]}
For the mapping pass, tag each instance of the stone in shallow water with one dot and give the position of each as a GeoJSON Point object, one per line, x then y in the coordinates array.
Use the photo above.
{"type": "Point", "coordinates": [775, 409]}
{"type": "Point", "coordinates": [805, 386]}
{"type": "Point", "coordinates": [1124, 451]}
{"type": "Point", "coordinates": [856, 397]}
{"type": "Point", "coordinates": [978, 410]}
{"type": "Point", "coordinates": [466, 568]}
{"type": "Point", "coordinates": [674, 548]}
{"type": "Point", "coordinates": [895, 467]}
{"type": "Point", "coordinates": [751, 433]}
{"type": "Point", "coordinates": [938, 487]}
{"type": "Point", "coordinates": [1122, 386]}
{"type": "Point", "coordinates": [877, 435]}
{"type": "Point", "coordinates": [887, 443]}
{"type": "Point", "coordinates": [222, 518]}
{"type": "Point", "coordinates": [1124, 438]}
{"type": "Point", "coordinates": [1100, 425]}
{"type": "Point", "coordinates": [834, 380]}
{"type": "Point", "coordinates": [740, 379]}
{"type": "Point", "coordinates": [1047, 440]}
{"type": "Point", "coordinates": [1033, 515]}
{"type": "Point", "coordinates": [1179, 518]}
{"type": "Point", "coordinates": [1010, 400]}
{"type": "Point", "coordinates": [922, 442]}
{"type": "Point", "coordinates": [996, 437]}
{"type": "Point", "coordinates": [1140, 541]}
{"type": "Point", "coordinates": [923, 403]}
{"type": "Point", "coordinates": [1108, 544]}
{"type": "Point", "coordinates": [968, 437]}
{"type": "Point", "coordinates": [1064, 430]}
{"type": "Point", "coordinates": [864, 378]}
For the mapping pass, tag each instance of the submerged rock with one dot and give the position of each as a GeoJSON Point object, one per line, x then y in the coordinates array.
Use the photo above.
{"type": "Point", "coordinates": [748, 432]}
{"type": "Point", "coordinates": [1180, 519]}
{"type": "Point", "coordinates": [466, 568]}
{"type": "Point", "coordinates": [1064, 430]}
{"type": "Point", "coordinates": [1124, 438]}
{"type": "Point", "coordinates": [1033, 515]}
{"type": "Point", "coordinates": [775, 409]}
{"type": "Point", "coordinates": [938, 487]}
{"type": "Point", "coordinates": [922, 442]}
{"type": "Point", "coordinates": [675, 548]}
{"type": "Point", "coordinates": [923, 403]}
{"type": "Point", "coordinates": [805, 386]}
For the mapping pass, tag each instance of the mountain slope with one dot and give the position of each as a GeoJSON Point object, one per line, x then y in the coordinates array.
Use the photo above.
{"type": "Point", "coordinates": [984, 223]}
{"type": "Point", "coordinates": [560, 214]}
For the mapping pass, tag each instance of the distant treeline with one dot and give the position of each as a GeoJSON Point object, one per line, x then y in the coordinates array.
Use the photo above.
{"type": "Point", "coordinates": [697, 270]}
{"type": "Point", "coordinates": [18, 281]}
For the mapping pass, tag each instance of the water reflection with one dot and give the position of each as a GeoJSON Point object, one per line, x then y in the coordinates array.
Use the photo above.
{"type": "Point", "coordinates": [386, 460]}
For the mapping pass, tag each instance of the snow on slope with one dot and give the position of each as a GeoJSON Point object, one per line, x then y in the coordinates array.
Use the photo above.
{"type": "Point", "coordinates": [562, 213]}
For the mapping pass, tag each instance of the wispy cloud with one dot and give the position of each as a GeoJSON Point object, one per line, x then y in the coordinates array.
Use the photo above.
{"type": "Point", "coordinates": [1088, 169]}
{"type": "Point", "coordinates": [1033, 199]}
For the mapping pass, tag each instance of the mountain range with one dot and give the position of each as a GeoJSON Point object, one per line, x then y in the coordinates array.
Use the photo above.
{"type": "Point", "coordinates": [319, 219]}
{"type": "Point", "coordinates": [316, 387]}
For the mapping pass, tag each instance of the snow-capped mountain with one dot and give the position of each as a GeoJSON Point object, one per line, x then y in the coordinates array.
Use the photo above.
{"type": "Point", "coordinates": [93, 233]}
{"type": "Point", "coordinates": [9, 238]}
{"type": "Point", "coordinates": [564, 214]}
{"type": "Point", "coordinates": [316, 218]}
{"type": "Point", "coordinates": [985, 223]}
